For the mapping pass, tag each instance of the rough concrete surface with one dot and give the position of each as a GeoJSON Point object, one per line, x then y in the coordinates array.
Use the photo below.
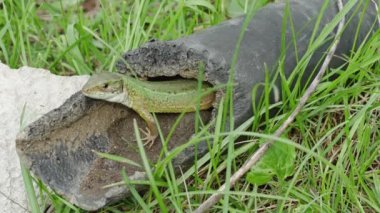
{"type": "Point", "coordinates": [39, 91]}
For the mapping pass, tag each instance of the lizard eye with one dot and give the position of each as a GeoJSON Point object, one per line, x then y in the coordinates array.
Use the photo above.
{"type": "Point", "coordinates": [105, 86]}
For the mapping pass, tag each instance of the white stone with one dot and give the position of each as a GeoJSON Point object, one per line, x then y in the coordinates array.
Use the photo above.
{"type": "Point", "coordinates": [39, 91]}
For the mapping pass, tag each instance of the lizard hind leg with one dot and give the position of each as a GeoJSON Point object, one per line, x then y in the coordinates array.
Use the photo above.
{"type": "Point", "coordinates": [151, 131]}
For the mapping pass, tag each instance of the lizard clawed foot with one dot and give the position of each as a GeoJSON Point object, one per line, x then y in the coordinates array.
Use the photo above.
{"type": "Point", "coordinates": [149, 137]}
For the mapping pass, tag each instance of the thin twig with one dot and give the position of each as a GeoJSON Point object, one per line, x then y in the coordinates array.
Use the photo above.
{"type": "Point", "coordinates": [211, 201]}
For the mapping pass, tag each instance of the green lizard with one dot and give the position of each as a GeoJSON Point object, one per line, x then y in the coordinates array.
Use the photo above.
{"type": "Point", "coordinates": [145, 97]}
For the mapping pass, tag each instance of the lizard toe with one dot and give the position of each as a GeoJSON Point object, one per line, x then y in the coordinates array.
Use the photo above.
{"type": "Point", "coordinates": [149, 138]}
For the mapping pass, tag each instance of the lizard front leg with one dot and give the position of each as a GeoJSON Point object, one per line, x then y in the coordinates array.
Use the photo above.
{"type": "Point", "coordinates": [151, 131]}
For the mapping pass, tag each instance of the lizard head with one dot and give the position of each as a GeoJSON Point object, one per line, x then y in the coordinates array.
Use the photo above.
{"type": "Point", "coordinates": [105, 86]}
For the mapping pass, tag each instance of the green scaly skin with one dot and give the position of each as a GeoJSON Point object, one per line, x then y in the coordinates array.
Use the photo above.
{"type": "Point", "coordinates": [145, 97]}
